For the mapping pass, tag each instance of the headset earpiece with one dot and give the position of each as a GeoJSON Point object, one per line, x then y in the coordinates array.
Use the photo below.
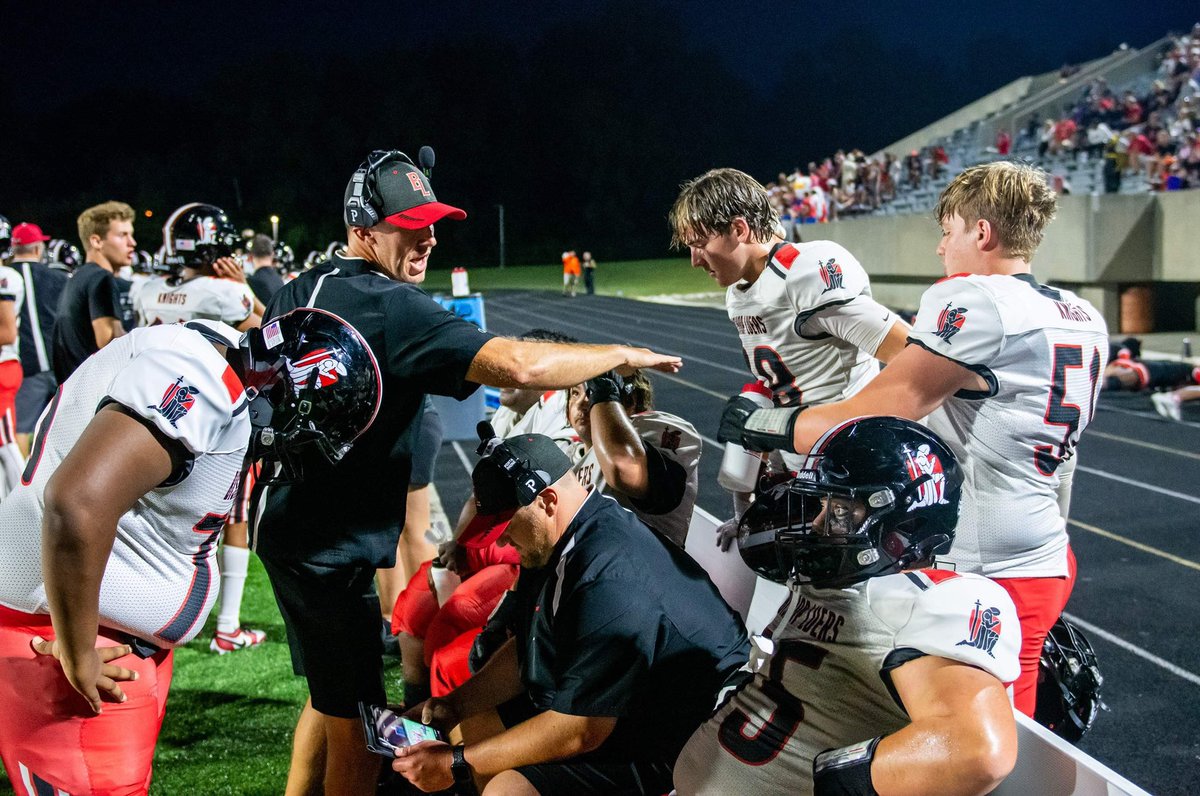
{"type": "Point", "coordinates": [360, 209]}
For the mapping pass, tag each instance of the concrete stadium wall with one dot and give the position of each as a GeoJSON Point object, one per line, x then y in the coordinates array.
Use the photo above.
{"type": "Point", "coordinates": [1097, 246]}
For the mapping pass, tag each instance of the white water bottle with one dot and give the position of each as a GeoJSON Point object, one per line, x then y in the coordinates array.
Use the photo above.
{"type": "Point", "coordinates": [444, 581]}
{"type": "Point", "coordinates": [739, 467]}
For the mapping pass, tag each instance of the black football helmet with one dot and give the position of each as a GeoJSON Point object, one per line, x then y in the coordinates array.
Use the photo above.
{"type": "Point", "coordinates": [5, 235]}
{"type": "Point", "coordinates": [64, 253]}
{"type": "Point", "coordinates": [877, 495]}
{"type": "Point", "coordinates": [196, 236]}
{"type": "Point", "coordinates": [285, 258]}
{"type": "Point", "coordinates": [1069, 681]}
{"type": "Point", "coordinates": [313, 383]}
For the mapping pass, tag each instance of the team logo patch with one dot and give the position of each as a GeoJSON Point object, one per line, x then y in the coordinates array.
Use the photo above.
{"type": "Point", "coordinates": [923, 463]}
{"type": "Point", "coordinates": [177, 401]}
{"type": "Point", "coordinates": [950, 321]}
{"type": "Point", "coordinates": [323, 363]}
{"type": "Point", "coordinates": [670, 439]}
{"type": "Point", "coordinates": [831, 274]}
{"type": "Point", "coordinates": [206, 229]}
{"type": "Point", "coordinates": [983, 629]}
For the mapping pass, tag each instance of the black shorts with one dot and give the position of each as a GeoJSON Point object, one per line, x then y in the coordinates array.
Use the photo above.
{"type": "Point", "coordinates": [425, 453]}
{"type": "Point", "coordinates": [32, 397]}
{"type": "Point", "coordinates": [332, 618]}
{"type": "Point", "coordinates": [589, 773]}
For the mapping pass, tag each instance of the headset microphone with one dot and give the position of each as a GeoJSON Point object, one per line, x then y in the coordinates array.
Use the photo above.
{"type": "Point", "coordinates": [425, 158]}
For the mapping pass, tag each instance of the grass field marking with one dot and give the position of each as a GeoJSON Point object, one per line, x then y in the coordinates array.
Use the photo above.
{"type": "Point", "coordinates": [743, 373]}
{"type": "Point", "coordinates": [1162, 663]}
{"type": "Point", "coordinates": [1139, 484]}
{"type": "Point", "coordinates": [1142, 444]}
{"type": "Point", "coordinates": [686, 383]}
{"type": "Point", "coordinates": [462, 457]}
{"type": "Point", "coordinates": [1145, 548]}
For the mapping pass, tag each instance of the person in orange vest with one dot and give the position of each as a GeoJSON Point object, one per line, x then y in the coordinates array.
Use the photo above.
{"type": "Point", "coordinates": [570, 273]}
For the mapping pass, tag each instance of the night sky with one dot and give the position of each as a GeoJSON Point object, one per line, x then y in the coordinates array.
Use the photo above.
{"type": "Point", "coordinates": [581, 119]}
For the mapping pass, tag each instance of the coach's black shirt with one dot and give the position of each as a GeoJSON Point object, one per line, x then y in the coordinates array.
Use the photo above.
{"type": "Point", "coordinates": [353, 512]}
{"type": "Point", "coordinates": [623, 623]}
{"type": "Point", "coordinates": [89, 294]}
{"type": "Point", "coordinates": [265, 282]}
{"type": "Point", "coordinates": [43, 288]}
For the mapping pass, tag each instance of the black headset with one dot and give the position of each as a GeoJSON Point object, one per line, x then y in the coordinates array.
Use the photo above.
{"type": "Point", "coordinates": [360, 209]}
{"type": "Point", "coordinates": [529, 482]}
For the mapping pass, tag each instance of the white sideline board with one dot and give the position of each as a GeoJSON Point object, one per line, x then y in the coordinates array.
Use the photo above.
{"type": "Point", "coordinates": [1046, 764]}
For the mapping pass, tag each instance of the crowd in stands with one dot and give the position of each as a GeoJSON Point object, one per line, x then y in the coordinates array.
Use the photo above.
{"type": "Point", "coordinates": [1152, 135]}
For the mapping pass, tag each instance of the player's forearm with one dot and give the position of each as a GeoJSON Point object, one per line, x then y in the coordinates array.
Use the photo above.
{"type": "Point", "coordinates": [75, 549]}
{"type": "Point", "coordinates": [496, 683]}
{"type": "Point", "coordinates": [965, 757]}
{"type": "Point", "coordinates": [619, 450]}
{"type": "Point", "coordinates": [545, 737]}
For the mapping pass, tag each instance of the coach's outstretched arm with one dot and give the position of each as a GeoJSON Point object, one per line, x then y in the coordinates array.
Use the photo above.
{"type": "Point", "coordinates": [502, 362]}
{"type": "Point", "coordinates": [116, 461]}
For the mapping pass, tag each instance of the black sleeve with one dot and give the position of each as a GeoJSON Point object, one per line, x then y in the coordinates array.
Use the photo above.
{"type": "Point", "coordinates": [101, 296]}
{"type": "Point", "coordinates": [668, 481]}
{"type": "Point", "coordinates": [430, 345]}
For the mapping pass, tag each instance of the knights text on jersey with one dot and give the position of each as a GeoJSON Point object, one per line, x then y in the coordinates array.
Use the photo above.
{"type": "Point", "coordinates": [778, 320]}
{"type": "Point", "coordinates": [161, 579]}
{"type": "Point", "coordinates": [677, 441]}
{"type": "Point", "coordinates": [826, 682]}
{"type": "Point", "coordinates": [1041, 351]}
{"type": "Point", "coordinates": [204, 298]}
{"type": "Point", "coordinates": [12, 288]}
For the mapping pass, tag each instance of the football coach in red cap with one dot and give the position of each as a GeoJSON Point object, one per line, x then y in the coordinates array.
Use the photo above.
{"type": "Point", "coordinates": [322, 543]}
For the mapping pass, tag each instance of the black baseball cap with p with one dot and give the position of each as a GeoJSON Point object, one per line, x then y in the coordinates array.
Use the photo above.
{"type": "Point", "coordinates": [511, 474]}
{"type": "Point", "coordinates": [399, 192]}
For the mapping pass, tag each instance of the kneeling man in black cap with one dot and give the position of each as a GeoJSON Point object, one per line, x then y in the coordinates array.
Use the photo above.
{"type": "Point", "coordinates": [621, 644]}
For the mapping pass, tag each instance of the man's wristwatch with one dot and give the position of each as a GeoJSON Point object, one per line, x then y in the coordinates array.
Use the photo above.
{"type": "Point", "coordinates": [459, 767]}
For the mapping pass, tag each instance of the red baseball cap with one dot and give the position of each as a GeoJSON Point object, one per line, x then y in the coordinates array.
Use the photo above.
{"type": "Point", "coordinates": [25, 233]}
{"type": "Point", "coordinates": [403, 195]}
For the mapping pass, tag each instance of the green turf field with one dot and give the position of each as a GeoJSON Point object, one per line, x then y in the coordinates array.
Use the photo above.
{"type": "Point", "coordinates": [230, 718]}
{"type": "Point", "coordinates": [631, 278]}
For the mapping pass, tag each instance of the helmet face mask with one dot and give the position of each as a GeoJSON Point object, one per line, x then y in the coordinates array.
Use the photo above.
{"type": "Point", "coordinates": [1069, 682]}
{"type": "Point", "coordinates": [878, 495]}
{"type": "Point", "coordinates": [314, 384]}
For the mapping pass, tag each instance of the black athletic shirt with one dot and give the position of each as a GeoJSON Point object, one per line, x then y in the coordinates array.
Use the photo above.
{"type": "Point", "coordinates": [89, 294]}
{"type": "Point", "coordinates": [43, 288]}
{"type": "Point", "coordinates": [623, 623]}
{"type": "Point", "coordinates": [265, 282]}
{"type": "Point", "coordinates": [353, 512]}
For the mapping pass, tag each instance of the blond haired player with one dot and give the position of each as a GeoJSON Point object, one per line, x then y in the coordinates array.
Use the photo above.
{"type": "Point", "coordinates": [1008, 371]}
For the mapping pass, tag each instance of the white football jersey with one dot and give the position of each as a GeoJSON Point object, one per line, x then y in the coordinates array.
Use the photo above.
{"type": "Point", "coordinates": [547, 417]}
{"type": "Point", "coordinates": [826, 681]}
{"type": "Point", "coordinates": [787, 322]}
{"type": "Point", "coordinates": [12, 288]}
{"type": "Point", "coordinates": [678, 441]}
{"type": "Point", "coordinates": [161, 579]}
{"type": "Point", "coordinates": [1041, 351]}
{"type": "Point", "coordinates": [203, 298]}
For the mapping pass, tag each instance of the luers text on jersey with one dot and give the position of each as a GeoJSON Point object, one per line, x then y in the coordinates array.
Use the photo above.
{"type": "Point", "coordinates": [749, 324]}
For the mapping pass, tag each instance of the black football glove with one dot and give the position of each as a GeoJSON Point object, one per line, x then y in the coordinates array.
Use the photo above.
{"type": "Point", "coordinates": [607, 387]}
{"type": "Point", "coordinates": [757, 429]}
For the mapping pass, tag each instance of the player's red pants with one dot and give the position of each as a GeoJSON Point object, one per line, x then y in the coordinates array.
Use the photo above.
{"type": "Point", "coordinates": [51, 741]}
{"type": "Point", "coordinates": [10, 381]}
{"type": "Point", "coordinates": [417, 612]}
{"type": "Point", "coordinates": [450, 668]}
{"type": "Point", "coordinates": [1039, 601]}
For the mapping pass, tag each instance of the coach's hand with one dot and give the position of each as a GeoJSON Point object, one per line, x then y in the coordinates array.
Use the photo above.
{"type": "Point", "coordinates": [438, 712]}
{"type": "Point", "coordinates": [426, 765]}
{"type": "Point", "coordinates": [645, 358]}
{"type": "Point", "coordinates": [91, 673]}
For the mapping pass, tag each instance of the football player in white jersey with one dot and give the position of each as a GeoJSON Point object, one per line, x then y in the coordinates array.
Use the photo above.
{"type": "Point", "coordinates": [647, 460]}
{"type": "Point", "coordinates": [107, 547]}
{"type": "Point", "coordinates": [1007, 371]}
{"type": "Point", "coordinates": [810, 330]}
{"type": "Point", "coordinates": [878, 674]}
{"type": "Point", "coordinates": [203, 282]}
{"type": "Point", "coordinates": [12, 296]}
